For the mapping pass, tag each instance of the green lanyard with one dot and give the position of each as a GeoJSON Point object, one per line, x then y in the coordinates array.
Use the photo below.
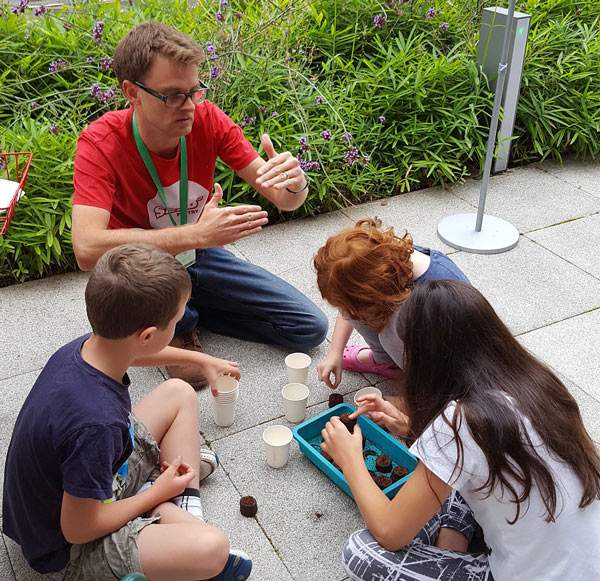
{"type": "Point", "coordinates": [183, 174]}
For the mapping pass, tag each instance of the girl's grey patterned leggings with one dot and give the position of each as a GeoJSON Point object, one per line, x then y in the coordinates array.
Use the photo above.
{"type": "Point", "coordinates": [365, 559]}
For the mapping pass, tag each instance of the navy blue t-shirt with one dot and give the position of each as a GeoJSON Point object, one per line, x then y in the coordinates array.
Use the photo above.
{"type": "Point", "coordinates": [72, 435]}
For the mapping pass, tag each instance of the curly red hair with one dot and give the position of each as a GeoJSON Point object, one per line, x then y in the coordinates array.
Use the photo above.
{"type": "Point", "coordinates": [365, 272]}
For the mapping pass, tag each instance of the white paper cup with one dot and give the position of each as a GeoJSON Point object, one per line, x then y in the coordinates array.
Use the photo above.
{"type": "Point", "coordinates": [223, 413]}
{"type": "Point", "coordinates": [295, 398]}
{"type": "Point", "coordinates": [227, 388]}
{"type": "Point", "coordinates": [297, 367]}
{"type": "Point", "coordinates": [366, 391]}
{"type": "Point", "coordinates": [277, 445]}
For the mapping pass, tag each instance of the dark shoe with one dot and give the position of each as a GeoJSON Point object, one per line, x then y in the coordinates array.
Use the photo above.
{"type": "Point", "coordinates": [189, 373]}
{"type": "Point", "coordinates": [237, 568]}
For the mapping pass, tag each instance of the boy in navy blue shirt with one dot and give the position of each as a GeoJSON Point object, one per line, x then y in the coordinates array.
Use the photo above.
{"type": "Point", "coordinates": [94, 488]}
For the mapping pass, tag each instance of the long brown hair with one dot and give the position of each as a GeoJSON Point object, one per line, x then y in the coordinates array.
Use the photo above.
{"type": "Point", "coordinates": [457, 349]}
{"type": "Point", "coordinates": [365, 271]}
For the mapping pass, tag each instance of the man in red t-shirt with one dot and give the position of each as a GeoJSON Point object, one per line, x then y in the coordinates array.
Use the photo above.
{"type": "Point", "coordinates": [145, 175]}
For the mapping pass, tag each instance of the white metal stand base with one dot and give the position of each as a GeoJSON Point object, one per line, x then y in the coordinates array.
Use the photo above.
{"type": "Point", "coordinates": [496, 235]}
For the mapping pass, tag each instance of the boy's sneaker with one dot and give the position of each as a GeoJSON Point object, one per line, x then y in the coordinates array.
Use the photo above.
{"type": "Point", "coordinates": [209, 462]}
{"type": "Point", "coordinates": [237, 568]}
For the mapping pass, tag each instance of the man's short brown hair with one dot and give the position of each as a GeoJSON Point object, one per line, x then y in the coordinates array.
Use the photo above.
{"type": "Point", "coordinates": [133, 287]}
{"type": "Point", "coordinates": [133, 55]}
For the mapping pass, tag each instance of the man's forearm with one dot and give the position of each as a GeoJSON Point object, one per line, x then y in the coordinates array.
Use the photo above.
{"type": "Point", "coordinates": [172, 240]}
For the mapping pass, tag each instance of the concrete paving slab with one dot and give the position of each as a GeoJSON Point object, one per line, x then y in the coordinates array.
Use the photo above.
{"type": "Point", "coordinates": [530, 287]}
{"type": "Point", "coordinates": [283, 246]}
{"type": "Point", "coordinates": [307, 518]}
{"type": "Point", "coordinates": [6, 571]}
{"type": "Point", "coordinates": [531, 199]}
{"type": "Point", "coordinates": [416, 212]}
{"type": "Point", "coordinates": [37, 318]}
{"type": "Point", "coordinates": [589, 407]}
{"type": "Point", "coordinates": [582, 174]}
{"type": "Point", "coordinates": [221, 504]}
{"type": "Point", "coordinates": [22, 570]}
{"type": "Point", "coordinates": [572, 348]}
{"type": "Point", "coordinates": [263, 377]}
{"type": "Point", "coordinates": [576, 241]}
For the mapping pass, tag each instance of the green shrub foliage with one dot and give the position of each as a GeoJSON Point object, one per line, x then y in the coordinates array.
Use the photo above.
{"type": "Point", "coordinates": [375, 97]}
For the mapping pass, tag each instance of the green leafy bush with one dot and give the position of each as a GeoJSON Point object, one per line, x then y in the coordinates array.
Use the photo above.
{"type": "Point", "coordinates": [376, 98]}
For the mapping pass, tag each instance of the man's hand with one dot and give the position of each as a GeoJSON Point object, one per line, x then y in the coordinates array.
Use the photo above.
{"type": "Point", "coordinates": [221, 226]}
{"type": "Point", "coordinates": [332, 364]}
{"type": "Point", "coordinates": [281, 171]}
{"type": "Point", "coordinates": [384, 414]}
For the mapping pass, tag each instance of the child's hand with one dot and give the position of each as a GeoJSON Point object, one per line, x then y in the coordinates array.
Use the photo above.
{"type": "Point", "coordinates": [213, 367]}
{"type": "Point", "coordinates": [174, 479]}
{"type": "Point", "coordinates": [340, 444]}
{"type": "Point", "coordinates": [384, 414]}
{"type": "Point", "coordinates": [331, 364]}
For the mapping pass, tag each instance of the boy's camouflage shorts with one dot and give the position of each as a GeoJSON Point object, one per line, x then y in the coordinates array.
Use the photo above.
{"type": "Point", "coordinates": [116, 555]}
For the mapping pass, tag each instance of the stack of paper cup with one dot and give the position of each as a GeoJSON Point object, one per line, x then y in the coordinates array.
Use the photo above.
{"type": "Point", "coordinates": [277, 445]}
{"type": "Point", "coordinates": [297, 367]}
{"type": "Point", "coordinates": [295, 398]}
{"type": "Point", "coordinates": [224, 402]}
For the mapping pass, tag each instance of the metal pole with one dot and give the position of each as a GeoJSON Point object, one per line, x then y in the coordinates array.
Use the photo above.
{"type": "Point", "coordinates": [491, 144]}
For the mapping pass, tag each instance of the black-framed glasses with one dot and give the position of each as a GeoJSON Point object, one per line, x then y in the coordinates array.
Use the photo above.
{"type": "Point", "coordinates": [174, 100]}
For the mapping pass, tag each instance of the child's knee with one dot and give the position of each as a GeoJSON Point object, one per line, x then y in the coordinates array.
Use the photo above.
{"type": "Point", "coordinates": [179, 389]}
{"type": "Point", "coordinates": [213, 546]}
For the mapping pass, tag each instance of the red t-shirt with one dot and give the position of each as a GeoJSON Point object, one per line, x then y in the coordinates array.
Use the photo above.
{"type": "Point", "coordinates": [110, 173]}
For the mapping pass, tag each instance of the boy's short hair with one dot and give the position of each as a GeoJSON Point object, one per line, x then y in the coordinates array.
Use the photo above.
{"type": "Point", "coordinates": [133, 287]}
{"type": "Point", "coordinates": [365, 272]}
{"type": "Point", "coordinates": [134, 53]}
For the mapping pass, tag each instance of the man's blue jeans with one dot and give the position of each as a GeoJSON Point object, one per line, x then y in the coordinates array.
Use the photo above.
{"type": "Point", "coordinates": [236, 298]}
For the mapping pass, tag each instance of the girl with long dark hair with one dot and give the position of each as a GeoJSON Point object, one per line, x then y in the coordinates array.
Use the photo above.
{"type": "Point", "coordinates": [494, 427]}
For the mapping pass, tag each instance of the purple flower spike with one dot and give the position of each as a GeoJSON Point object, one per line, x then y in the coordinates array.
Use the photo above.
{"type": "Point", "coordinates": [215, 72]}
{"type": "Point", "coordinates": [326, 135]}
{"type": "Point", "coordinates": [274, 114]}
{"type": "Point", "coordinates": [57, 65]}
{"type": "Point", "coordinates": [211, 48]}
{"type": "Point", "coordinates": [444, 26]}
{"type": "Point", "coordinates": [346, 137]}
{"type": "Point", "coordinates": [303, 144]}
{"type": "Point", "coordinates": [319, 99]}
{"type": "Point", "coordinates": [98, 31]}
{"type": "Point", "coordinates": [39, 10]}
{"type": "Point", "coordinates": [262, 109]}
{"type": "Point", "coordinates": [20, 7]}
{"type": "Point", "coordinates": [55, 129]}
{"type": "Point", "coordinates": [431, 13]}
{"type": "Point", "coordinates": [220, 16]}
{"type": "Point", "coordinates": [381, 119]}
{"type": "Point", "coordinates": [105, 64]}
{"type": "Point", "coordinates": [379, 21]}
{"type": "Point", "coordinates": [351, 156]}
{"type": "Point", "coordinates": [224, 4]}
{"type": "Point", "coordinates": [308, 165]}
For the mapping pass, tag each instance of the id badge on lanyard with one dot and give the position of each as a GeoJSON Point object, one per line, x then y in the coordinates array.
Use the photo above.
{"type": "Point", "coordinates": [187, 257]}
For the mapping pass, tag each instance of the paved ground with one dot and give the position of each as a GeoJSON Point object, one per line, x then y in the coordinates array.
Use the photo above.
{"type": "Point", "coordinates": [547, 289]}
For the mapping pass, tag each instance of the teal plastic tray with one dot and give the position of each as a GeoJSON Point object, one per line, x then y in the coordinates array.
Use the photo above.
{"type": "Point", "coordinates": [308, 436]}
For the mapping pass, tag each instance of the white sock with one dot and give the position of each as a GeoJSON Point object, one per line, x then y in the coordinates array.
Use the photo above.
{"type": "Point", "coordinates": [190, 502]}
